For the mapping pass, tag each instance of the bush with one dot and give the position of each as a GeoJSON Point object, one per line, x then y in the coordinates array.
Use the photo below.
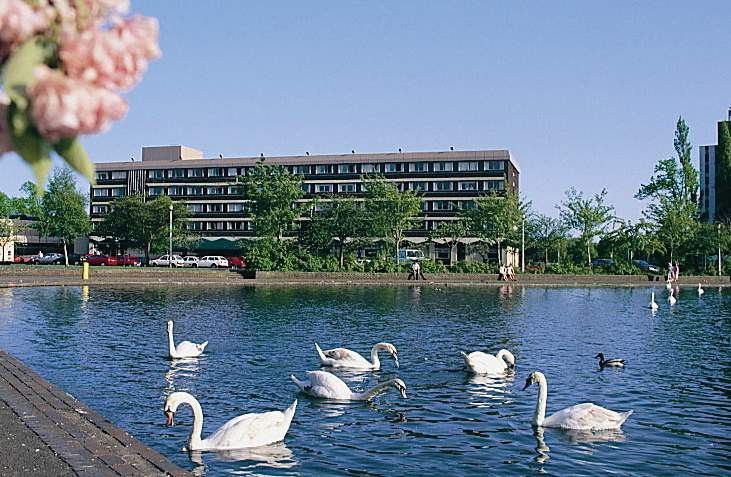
{"type": "Point", "coordinates": [432, 266]}
{"type": "Point", "coordinates": [622, 268]}
{"type": "Point", "coordinates": [473, 267]}
{"type": "Point", "coordinates": [569, 269]}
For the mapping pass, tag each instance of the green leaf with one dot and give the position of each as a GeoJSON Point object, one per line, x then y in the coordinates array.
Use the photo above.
{"type": "Point", "coordinates": [75, 155]}
{"type": "Point", "coordinates": [29, 144]}
{"type": "Point", "coordinates": [18, 71]}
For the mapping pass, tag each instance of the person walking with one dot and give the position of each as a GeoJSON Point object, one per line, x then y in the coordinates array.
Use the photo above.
{"type": "Point", "coordinates": [676, 271]}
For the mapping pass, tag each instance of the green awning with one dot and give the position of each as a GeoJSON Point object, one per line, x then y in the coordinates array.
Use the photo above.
{"type": "Point", "coordinates": [221, 244]}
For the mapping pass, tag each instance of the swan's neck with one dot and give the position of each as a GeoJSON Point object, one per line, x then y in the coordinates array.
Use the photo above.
{"type": "Point", "coordinates": [171, 342]}
{"type": "Point", "coordinates": [540, 414]}
{"type": "Point", "coordinates": [502, 355]}
{"type": "Point", "coordinates": [374, 357]}
{"type": "Point", "coordinates": [373, 392]}
{"type": "Point", "coordinates": [194, 441]}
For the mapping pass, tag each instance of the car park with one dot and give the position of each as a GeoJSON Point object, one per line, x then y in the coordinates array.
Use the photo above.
{"type": "Point", "coordinates": [101, 260]}
{"type": "Point", "coordinates": [213, 261]}
{"type": "Point", "coordinates": [166, 261]}
{"type": "Point", "coordinates": [190, 261]}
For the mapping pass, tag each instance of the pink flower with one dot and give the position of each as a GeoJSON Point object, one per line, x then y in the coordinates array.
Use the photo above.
{"type": "Point", "coordinates": [114, 58]}
{"type": "Point", "coordinates": [18, 22]}
{"type": "Point", "coordinates": [64, 107]}
{"type": "Point", "coordinates": [5, 143]}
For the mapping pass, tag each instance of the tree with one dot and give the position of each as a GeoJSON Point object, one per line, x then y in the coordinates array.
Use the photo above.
{"type": "Point", "coordinates": [450, 233]}
{"type": "Point", "coordinates": [273, 193]}
{"type": "Point", "coordinates": [389, 212]}
{"type": "Point", "coordinates": [588, 216]}
{"type": "Point", "coordinates": [496, 218]}
{"type": "Point", "coordinates": [64, 210]}
{"type": "Point", "coordinates": [335, 220]}
{"type": "Point", "coordinates": [723, 172]}
{"type": "Point", "coordinates": [689, 176]}
{"type": "Point", "coordinates": [547, 232]}
{"type": "Point", "coordinates": [675, 222]}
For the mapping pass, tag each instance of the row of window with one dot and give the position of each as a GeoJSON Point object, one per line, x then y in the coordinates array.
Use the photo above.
{"type": "Point", "coordinates": [106, 175]}
{"type": "Point", "coordinates": [242, 226]}
{"type": "Point", "coordinates": [110, 192]}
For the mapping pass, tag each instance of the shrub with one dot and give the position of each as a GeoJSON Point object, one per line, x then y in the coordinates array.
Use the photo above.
{"type": "Point", "coordinates": [473, 267]}
{"type": "Point", "coordinates": [432, 266]}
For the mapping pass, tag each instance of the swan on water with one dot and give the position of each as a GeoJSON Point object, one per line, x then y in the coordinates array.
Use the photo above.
{"type": "Point", "coordinates": [185, 349]}
{"type": "Point", "coordinates": [345, 358]}
{"type": "Point", "coordinates": [668, 285]}
{"type": "Point", "coordinates": [248, 430]}
{"type": "Point", "coordinates": [586, 416]}
{"type": "Point", "coordinates": [321, 384]}
{"type": "Point", "coordinates": [653, 306]}
{"type": "Point", "coordinates": [483, 363]}
{"type": "Point", "coordinates": [615, 362]}
{"type": "Point", "coordinates": [701, 291]}
{"type": "Point", "coordinates": [672, 298]}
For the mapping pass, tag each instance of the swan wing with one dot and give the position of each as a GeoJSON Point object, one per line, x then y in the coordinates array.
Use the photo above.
{"type": "Point", "coordinates": [251, 430]}
{"type": "Point", "coordinates": [344, 357]}
{"type": "Point", "coordinates": [186, 349]}
{"type": "Point", "coordinates": [326, 385]}
{"type": "Point", "coordinates": [586, 416]}
{"type": "Point", "coordinates": [483, 363]}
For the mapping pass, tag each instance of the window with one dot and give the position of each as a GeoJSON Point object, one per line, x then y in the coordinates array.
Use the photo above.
{"type": "Point", "coordinates": [195, 208]}
{"type": "Point", "coordinates": [322, 169]}
{"type": "Point", "coordinates": [236, 226]}
{"type": "Point", "coordinates": [195, 226]}
{"type": "Point", "coordinates": [368, 168]}
{"type": "Point", "coordinates": [101, 192]}
{"type": "Point", "coordinates": [119, 174]}
{"type": "Point", "coordinates": [215, 171]}
{"type": "Point", "coordinates": [195, 190]}
{"type": "Point", "coordinates": [346, 168]}
{"type": "Point", "coordinates": [117, 191]}
{"type": "Point", "coordinates": [175, 190]}
{"type": "Point", "coordinates": [235, 207]}
{"type": "Point", "coordinates": [156, 174]}
{"type": "Point", "coordinates": [195, 172]}
{"type": "Point", "coordinates": [496, 185]}
{"type": "Point", "coordinates": [153, 191]}
{"type": "Point", "coordinates": [468, 166]}
{"type": "Point", "coordinates": [418, 167]}
{"type": "Point", "coordinates": [216, 225]}
{"type": "Point", "coordinates": [442, 205]}
{"type": "Point", "coordinates": [302, 170]}
{"type": "Point", "coordinates": [442, 166]}
{"type": "Point", "coordinates": [98, 209]}
{"type": "Point", "coordinates": [233, 190]}
{"type": "Point", "coordinates": [232, 172]}
{"type": "Point", "coordinates": [467, 204]}
{"type": "Point", "coordinates": [471, 185]}
{"type": "Point", "coordinates": [323, 188]}
{"type": "Point", "coordinates": [101, 176]}
{"type": "Point", "coordinates": [390, 167]}
{"type": "Point", "coordinates": [495, 165]}
{"type": "Point", "coordinates": [306, 188]}
{"type": "Point", "coordinates": [215, 190]}
{"type": "Point", "coordinates": [418, 186]}
{"type": "Point", "coordinates": [346, 187]}
{"type": "Point", "coordinates": [176, 173]}
{"type": "Point", "coordinates": [442, 186]}
{"type": "Point", "coordinates": [214, 207]}
{"type": "Point", "coordinates": [425, 206]}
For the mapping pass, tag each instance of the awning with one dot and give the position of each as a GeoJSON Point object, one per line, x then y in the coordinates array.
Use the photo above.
{"type": "Point", "coordinates": [220, 244]}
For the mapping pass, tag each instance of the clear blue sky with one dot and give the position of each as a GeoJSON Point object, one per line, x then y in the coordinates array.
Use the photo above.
{"type": "Point", "coordinates": [582, 93]}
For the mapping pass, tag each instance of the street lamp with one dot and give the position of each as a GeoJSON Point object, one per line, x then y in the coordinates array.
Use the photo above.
{"type": "Point", "coordinates": [522, 248]}
{"type": "Point", "coordinates": [170, 244]}
{"type": "Point", "coordinates": [719, 249]}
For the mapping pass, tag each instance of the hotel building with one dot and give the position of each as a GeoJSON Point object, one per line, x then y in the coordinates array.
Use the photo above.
{"type": "Point", "coordinates": [709, 179]}
{"type": "Point", "coordinates": [448, 182]}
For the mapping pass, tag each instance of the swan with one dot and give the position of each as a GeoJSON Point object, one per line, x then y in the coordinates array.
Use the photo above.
{"type": "Point", "coordinates": [668, 285]}
{"type": "Point", "coordinates": [248, 430]}
{"type": "Point", "coordinates": [586, 416]}
{"type": "Point", "coordinates": [672, 298]}
{"type": "Point", "coordinates": [321, 384]}
{"type": "Point", "coordinates": [653, 306]}
{"type": "Point", "coordinates": [483, 363]}
{"type": "Point", "coordinates": [345, 358]}
{"type": "Point", "coordinates": [701, 291]}
{"type": "Point", "coordinates": [615, 362]}
{"type": "Point", "coordinates": [185, 349]}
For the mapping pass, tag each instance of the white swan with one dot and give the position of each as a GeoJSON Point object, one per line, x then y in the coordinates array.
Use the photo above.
{"type": "Point", "coordinates": [653, 306]}
{"type": "Point", "coordinates": [586, 416]}
{"type": "Point", "coordinates": [668, 285]}
{"type": "Point", "coordinates": [185, 349]}
{"type": "Point", "coordinates": [345, 358]}
{"type": "Point", "coordinates": [321, 384]}
{"type": "Point", "coordinates": [249, 430]}
{"type": "Point", "coordinates": [701, 291]}
{"type": "Point", "coordinates": [483, 363]}
{"type": "Point", "coordinates": [672, 298]}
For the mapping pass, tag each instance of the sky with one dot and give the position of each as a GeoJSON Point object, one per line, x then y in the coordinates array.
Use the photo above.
{"type": "Point", "coordinates": [583, 94]}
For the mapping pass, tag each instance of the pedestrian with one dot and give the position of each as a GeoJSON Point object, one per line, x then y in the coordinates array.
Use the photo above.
{"type": "Point", "coordinates": [419, 273]}
{"type": "Point", "coordinates": [414, 271]}
{"type": "Point", "coordinates": [501, 274]}
{"type": "Point", "coordinates": [671, 272]}
{"type": "Point", "coordinates": [676, 271]}
{"type": "Point", "coordinates": [511, 273]}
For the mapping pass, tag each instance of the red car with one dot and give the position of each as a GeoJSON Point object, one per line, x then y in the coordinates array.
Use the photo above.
{"type": "Point", "coordinates": [128, 261]}
{"type": "Point", "coordinates": [236, 262]}
{"type": "Point", "coordinates": [102, 260]}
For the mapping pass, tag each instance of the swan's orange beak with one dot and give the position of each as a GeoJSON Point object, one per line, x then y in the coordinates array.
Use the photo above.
{"type": "Point", "coordinates": [169, 418]}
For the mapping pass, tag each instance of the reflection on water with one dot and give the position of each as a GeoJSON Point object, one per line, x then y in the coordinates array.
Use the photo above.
{"type": "Point", "coordinates": [108, 347]}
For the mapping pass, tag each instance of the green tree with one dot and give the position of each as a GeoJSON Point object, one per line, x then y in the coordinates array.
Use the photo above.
{"type": "Point", "coordinates": [273, 193]}
{"type": "Point", "coordinates": [689, 175]}
{"type": "Point", "coordinates": [497, 218]}
{"type": "Point", "coordinates": [64, 209]}
{"type": "Point", "coordinates": [675, 222]}
{"type": "Point", "coordinates": [547, 232]}
{"type": "Point", "coordinates": [588, 216]}
{"type": "Point", "coordinates": [723, 172]}
{"type": "Point", "coordinates": [335, 222]}
{"type": "Point", "coordinates": [450, 233]}
{"type": "Point", "coordinates": [389, 212]}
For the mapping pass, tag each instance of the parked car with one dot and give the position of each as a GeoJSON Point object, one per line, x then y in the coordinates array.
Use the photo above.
{"type": "Point", "coordinates": [236, 262]}
{"type": "Point", "coordinates": [101, 260]}
{"type": "Point", "coordinates": [190, 261]}
{"type": "Point", "coordinates": [129, 261]}
{"type": "Point", "coordinates": [26, 259]}
{"type": "Point", "coordinates": [645, 266]}
{"type": "Point", "coordinates": [164, 261]}
{"type": "Point", "coordinates": [411, 254]}
{"type": "Point", "coordinates": [602, 262]}
{"type": "Point", "coordinates": [52, 259]}
{"type": "Point", "coordinates": [213, 261]}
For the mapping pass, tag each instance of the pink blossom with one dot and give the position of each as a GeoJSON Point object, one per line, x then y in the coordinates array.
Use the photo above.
{"type": "Point", "coordinates": [64, 107]}
{"type": "Point", "coordinates": [115, 58]}
{"type": "Point", "coordinates": [5, 143]}
{"type": "Point", "coordinates": [18, 22]}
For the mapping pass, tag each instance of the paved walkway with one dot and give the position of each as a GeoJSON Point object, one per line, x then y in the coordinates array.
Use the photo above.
{"type": "Point", "coordinates": [45, 431]}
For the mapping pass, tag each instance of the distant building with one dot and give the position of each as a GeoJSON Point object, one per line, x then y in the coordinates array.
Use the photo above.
{"type": "Point", "coordinates": [709, 198]}
{"type": "Point", "coordinates": [448, 181]}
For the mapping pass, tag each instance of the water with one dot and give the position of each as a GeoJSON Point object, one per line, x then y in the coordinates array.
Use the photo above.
{"type": "Point", "coordinates": [108, 347]}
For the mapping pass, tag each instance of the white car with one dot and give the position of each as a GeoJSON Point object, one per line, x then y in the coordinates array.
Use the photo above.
{"type": "Point", "coordinates": [190, 261]}
{"type": "Point", "coordinates": [213, 261]}
{"type": "Point", "coordinates": [164, 261]}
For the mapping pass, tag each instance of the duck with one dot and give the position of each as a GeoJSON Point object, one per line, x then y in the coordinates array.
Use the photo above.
{"type": "Point", "coordinates": [248, 430]}
{"type": "Point", "coordinates": [672, 298]}
{"type": "Point", "coordinates": [345, 358]}
{"type": "Point", "coordinates": [653, 306]}
{"type": "Point", "coordinates": [324, 385]}
{"type": "Point", "coordinates": [185, 349]}
{"type": "Point", "coordinates": [586, 416]}
{"type": "Point", "coordinates": [614, 362]}
{"type": "Point", "coordinates": [701, 291]}
{"type": "Point", "coordinates": [482, 363]}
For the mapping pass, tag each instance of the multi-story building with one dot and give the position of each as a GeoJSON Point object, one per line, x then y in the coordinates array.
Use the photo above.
{"type": "Point", "coordinates": [448, 181]}
{"type": "Point", "coordinates": [709, 178]}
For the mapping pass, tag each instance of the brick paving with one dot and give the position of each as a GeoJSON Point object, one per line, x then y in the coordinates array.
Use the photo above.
{"type": "Point", "coordinates": [45, 431]}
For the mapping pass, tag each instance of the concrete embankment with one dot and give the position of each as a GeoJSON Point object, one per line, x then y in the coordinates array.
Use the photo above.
{"type": "Point", "coordinates": [21, 276]}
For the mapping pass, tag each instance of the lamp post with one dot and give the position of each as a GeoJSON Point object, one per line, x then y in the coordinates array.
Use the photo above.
{"type": "Point", "coordinates": [170, 244]}
{"type": "Point", "coordinates": [522, 248]}
{"type": "Point", "coordinates": [719, 249]}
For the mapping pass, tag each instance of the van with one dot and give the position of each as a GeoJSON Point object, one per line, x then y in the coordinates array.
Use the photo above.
{"type": "Point", "coordinates": [410, 254]}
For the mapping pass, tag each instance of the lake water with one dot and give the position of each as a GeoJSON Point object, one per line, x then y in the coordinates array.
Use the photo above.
{"type": "Point", "coordinates": [107, 346]}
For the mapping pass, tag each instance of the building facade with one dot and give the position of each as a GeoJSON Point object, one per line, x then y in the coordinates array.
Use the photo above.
{"type": "Point", "coordinates": [448, 182]}
{"type": "Point", "coordinates": [709, 178]}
